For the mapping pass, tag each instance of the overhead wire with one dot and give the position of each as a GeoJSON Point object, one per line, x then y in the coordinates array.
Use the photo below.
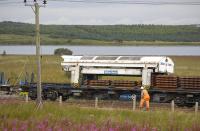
{"type": "Point", "coordinates": [9, 2]}
{"type": "Point", "coordinates": [130, 2]}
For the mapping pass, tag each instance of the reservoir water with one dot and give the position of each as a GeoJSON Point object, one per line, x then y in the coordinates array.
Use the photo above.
{"type": "Point", "coordinates": [106, 50]}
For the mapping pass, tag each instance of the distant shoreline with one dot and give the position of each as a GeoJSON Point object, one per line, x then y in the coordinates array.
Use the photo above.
{"type": "Point", "coordinates": [88, 42]}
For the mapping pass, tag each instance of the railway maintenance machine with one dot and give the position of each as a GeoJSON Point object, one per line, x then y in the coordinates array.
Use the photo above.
{"type": "Point", "coordinates": [86, 72]}
{"type": "Point", "coordinates": [89, 67]}
{"type": "Point", "coordinates": [118, 77]}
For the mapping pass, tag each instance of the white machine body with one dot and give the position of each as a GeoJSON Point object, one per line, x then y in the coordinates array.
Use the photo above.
{"type": "Point", "coordinates": [117, 65]}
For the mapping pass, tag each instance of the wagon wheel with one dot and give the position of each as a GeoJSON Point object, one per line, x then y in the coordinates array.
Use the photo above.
{"type": "Point", "coordinates": [54, 95]}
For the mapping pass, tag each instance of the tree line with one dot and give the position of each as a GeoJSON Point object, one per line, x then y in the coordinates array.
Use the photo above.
{"type": "Point", "coordinates": [173, 33]}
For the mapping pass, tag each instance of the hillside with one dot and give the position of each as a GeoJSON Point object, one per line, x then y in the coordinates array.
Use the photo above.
{"type": "Point", "coordinates": [23, 33]}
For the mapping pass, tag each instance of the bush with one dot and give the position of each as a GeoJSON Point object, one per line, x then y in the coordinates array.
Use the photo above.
{"type": "Point", "coordinates": [62, 51]}
{"type": "Point", "coordinates": [4, 53]}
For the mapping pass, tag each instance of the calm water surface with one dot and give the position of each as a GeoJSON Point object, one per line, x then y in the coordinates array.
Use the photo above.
{"type": "Point", "coordinates": [106, 50]}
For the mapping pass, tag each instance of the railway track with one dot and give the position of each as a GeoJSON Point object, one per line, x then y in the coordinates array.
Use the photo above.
{"type": "Point", "coordinates": [109, 104]}
{"type": "Point", "coordinates": [117, 104]}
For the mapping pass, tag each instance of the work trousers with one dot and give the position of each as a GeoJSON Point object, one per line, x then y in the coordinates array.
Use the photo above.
{"type": "Point", "coordinates": [146, 103]}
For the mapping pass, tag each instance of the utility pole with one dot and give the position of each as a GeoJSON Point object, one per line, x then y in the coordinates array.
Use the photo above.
{"type": "Point", "coordinates": [37, 40]}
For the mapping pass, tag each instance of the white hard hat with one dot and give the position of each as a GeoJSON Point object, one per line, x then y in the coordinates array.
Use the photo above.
{"type": "Point", "coordinates": [142, 88]}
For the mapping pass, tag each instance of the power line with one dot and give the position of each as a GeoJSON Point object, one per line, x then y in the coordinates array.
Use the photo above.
{"type": "Point", "coordinates": [129, 2]}
{"type": "Point", "coordinates": [7, 3]}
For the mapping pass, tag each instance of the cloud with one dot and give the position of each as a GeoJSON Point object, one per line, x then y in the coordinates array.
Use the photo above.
{"type": "Point", "coordinates": [106, 14]}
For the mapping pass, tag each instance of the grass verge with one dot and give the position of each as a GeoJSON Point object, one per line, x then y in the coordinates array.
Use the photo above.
{"type": "Point", "coordinates": [72, 117]}
{"type": "Point", "coordinates": [15, 67]}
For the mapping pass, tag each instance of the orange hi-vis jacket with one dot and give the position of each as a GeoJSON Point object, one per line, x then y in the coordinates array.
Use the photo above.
{"type": "Point", "coordinates": [145, 95]}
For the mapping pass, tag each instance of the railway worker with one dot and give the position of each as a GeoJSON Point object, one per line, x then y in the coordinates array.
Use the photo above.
{"type": "Point", "coordinates": [144, 98]}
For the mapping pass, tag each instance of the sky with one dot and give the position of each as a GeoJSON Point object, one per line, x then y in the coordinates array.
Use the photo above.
{"type": "Point", "coordinates": [90, 13]}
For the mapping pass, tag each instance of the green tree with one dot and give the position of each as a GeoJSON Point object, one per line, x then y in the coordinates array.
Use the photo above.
{"type": "Point", "coordinates": [62, 51]}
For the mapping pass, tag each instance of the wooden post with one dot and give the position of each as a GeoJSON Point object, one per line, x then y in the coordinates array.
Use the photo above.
{"type": "Point", "coordinates": [172, 106]}
{"type": "Point", "coordinates": [96, 102]}
{"type": "Point", "coordinates": [37, 40]}
{"type": "Point", "coordinates": [196, 107]}
{"type": "Point", "coordinates": [134, 102]}
{"type": "Point", "coordinates": [26, 98]}
{"type": "Point", "coordinates": [60, 100]}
